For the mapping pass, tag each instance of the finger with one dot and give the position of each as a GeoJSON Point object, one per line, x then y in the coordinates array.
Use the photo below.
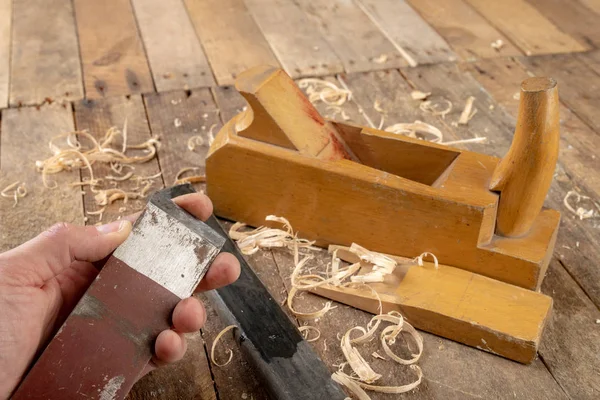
{"type": "Point", "coordinates": [189, 315]}
{"type": "Point", "coordinates": [223, 271]}
{"type": "Point", "coordinates": [170, 346]}
{"type": "Point", "coordinates": [197, 204]}
{"type": "Point", "coordinates": [49, 253]}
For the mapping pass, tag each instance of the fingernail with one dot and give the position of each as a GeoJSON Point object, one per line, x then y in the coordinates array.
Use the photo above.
{"type": "Point", "coordinates": [123, 225]}
{"type": "Point", "coordinates": [110, 227]}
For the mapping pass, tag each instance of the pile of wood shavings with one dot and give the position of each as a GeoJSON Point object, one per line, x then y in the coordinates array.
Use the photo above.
{"type": "Point", "coordinates": [83, 150]}
{"type": "Point", "coordinates": [322, 90]}
{"type": "Point", "coordinates": [362, 375]}
{"type": "Point", "coordinates": [15, 191]}
{"type": "Point", "coordinates": [582, 213]}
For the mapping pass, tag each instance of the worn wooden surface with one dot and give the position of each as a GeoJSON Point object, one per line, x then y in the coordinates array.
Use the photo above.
{"type": "Point", "coordinates": [44, 57]}
{"type": "Point", "coordinates": [57, 48]}
{"type": "Point", "coordinates": [112, 54]}
{"type": "Point", "coordinates": [176, 58]}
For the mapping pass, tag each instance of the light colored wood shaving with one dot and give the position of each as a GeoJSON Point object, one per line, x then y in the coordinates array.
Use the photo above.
{"type": "Point", "coordinates": [306, 316]}
{"type": "Point", "coordinates": [482, 139]}
{"type": "Point", "coordinates": [580, 212]}
{"type": "Point", "coordinates": [322, 90]}
{"type": "Point", "coordinates": [382, 59]}
{"type": "Point", "coordinates": [418, 95]}
{"type": "Point", "coordinates": [180, 179]}
{"type": "Point", "coordinates": [211, 135]}
{"type": "Point", "coordinates": [380, 262]}
{"type": "Point", "coordinates": [16, 190]}
{"type": "Point", "coordinates": [358, 388]}
{"type": "Point", "coordinates": [497, 44]}
{"type": "Point", "coordinates": [229, 351]}
{"type": "Point", "coordinates": [306, 329]}
{"type": "Point", "coordinates": [377, 107]}
{"type": "Point", "coordinates": [442, 108]}
{"type": "Point", "coordinates": [411, 129]}
{"type": "Point", "coordinates": [467, 114]}
{"type": "Point", "coordinates": [379, 356]}
{"type": "Point", "coordinates": [355, 360]}
{"type": "Point", "coordinates": [195, 141]}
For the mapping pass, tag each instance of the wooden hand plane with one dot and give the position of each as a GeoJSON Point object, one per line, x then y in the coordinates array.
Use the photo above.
{"type": "Point", "coordinates": [338, 183]}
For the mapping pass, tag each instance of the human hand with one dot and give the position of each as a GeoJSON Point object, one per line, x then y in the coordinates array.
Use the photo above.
{"type": "Point", "coordinates": [42, 280]}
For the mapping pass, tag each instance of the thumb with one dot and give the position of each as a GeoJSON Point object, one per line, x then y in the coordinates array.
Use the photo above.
{"type": "Point", "coordinates": [50, 252]}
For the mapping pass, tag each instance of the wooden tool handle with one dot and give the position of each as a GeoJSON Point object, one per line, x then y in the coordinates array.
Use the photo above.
{"type": "Point", "coordinates": [278, 113]}
{"type": "Point", "coordinates": [524, 175]}
{"type": "Point", "coordinates": [106, 342]}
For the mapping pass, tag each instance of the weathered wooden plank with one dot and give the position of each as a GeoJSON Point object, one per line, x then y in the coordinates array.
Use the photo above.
{"type": "Point", "coordinates": [230, 37]}
{"type": "Point", "coordinates": [359, 44]}
{"type": "Point", "coordinates": [176, 58]}
{"type": "Point", "coordinates": [579, 84]}
{"type": "Point", "coordinates": [25, 134]}
{"type": "Point", "coordinates": [5, 32]}
{"type": "Point", "coordinates": [469, 34]}
{"type": "Point", "coordinates": [294, 38]}
{"type": "Point", "coordinates": [593, 5]}
{"type": "Point", "coordinates": [229, 101]}
{"type": "Point", "coordinates": [97, 116]}
{"type": "Point", "coordinates": [526, 27]}
{"type": "Point", "coordinates": [114, 62]}
{"type": "Point", "coordinates": [176, 117]}
{"type": "Point", "coordinates": [577, 244]}
{"type": "Point", "coordinates": [573, 18]}
{"type": "Point", "coordinates": [501, 77]}
{"type": "Point", "coordinates": [44, 58]}
{"type": "Point", "coordinates": [418, 42]}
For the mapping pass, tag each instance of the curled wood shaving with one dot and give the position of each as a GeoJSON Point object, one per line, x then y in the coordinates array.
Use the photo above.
{"type": "Point", "coordinates": [195, 141]}
{"type": "Point", "coordinates": [322, 90]}
{"type": "Point", "coordinates": [356, 361]}
{"type": "Point", "coordinates": [358, 388]}
{"type": "Point", "coordinates": [305, 316]}
{"type": "Point", "coordinates": [211, 135]}
{"type": "Point", "coordinates": [229, 351]}
{"type": "Point", "coordinates": [419, 259]}
{"type": "Point", "coordinates": [179, 179]}
{"type": "Point", "coordinates": [411, 130]}
{"type": "Point", "coordinates": [418, 95]}
{"type": "Point", "coordinates": [305, 333]}
{"type": "Point", "coordinates": [497, 44]}
{"type": "Point", "coordinates": [382, 59]}
{"type": "Point", "coordinates": [379, 356]}
{"type": "Point", "coordinates": [15, 191]}
{"type": "Point", "coordinates": [467, 114]}
{"type": "Point", "coordinates": [442, 108]}
{"type": "Point", "coordinates": [581, 212]}
{"type": "Point", "coordinates": [381, 262]}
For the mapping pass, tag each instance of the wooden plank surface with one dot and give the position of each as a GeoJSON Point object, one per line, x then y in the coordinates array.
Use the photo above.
{"type": "Point", "coordinates": [25, 134]}
{"type": "Point", "coordinates": [526, 27]}
{"type": "Point", "coordinates": [44, 58]}
{"type": "Point", "coordinates": [593, 5]}
{"type": "Point", "coordinates": [97, 116]}
{"type": "Point", "coordinates": [176, 58]}
{"type": "Point", "coordinates": [5, 33]}
{"type": "Point", "coordinates": [231, 39]}
{"type": "Point", "coordinates": [229, 101]}
{"type": "Point", "coordinates": [573, 18]}
{"type": "Point", "coordinates": [418, 42]}
{"type": "Point", "coordinates": [469, 34]}
{"type": "Point", "coordinates": [488, 376]}
{"type": "Point", "coordinates": [359, 44]}
{"type": "Point", "coordinates": [113, 57]}
{"type": "Point", "coordinates": [294, 38]}
{"type": "Point", "coordinates": [579, 84]}
{"type": "Point", "coordinates": [575, 258]}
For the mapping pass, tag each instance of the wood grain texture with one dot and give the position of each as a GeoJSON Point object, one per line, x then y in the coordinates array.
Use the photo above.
{"type": "Point", "coordinates": [578, 81]}
{"type": "Point", "coordinates": [418, 42]}
{"type": "Point", "coordinates": [526, 27]}
{"type": "Point", "coordinates": [176, 58]}
{"type": "Point", "coordinates": [41, 207]}
{"type": "Point", "coordinates": [230, 37]}
{"type": "Point", "coordinates": [97, 116]}
{"type": "Point", "coordinates": [469, 34]}
{"type": "Point", "coordinates": [5, 34]}
{"type": "Point", "coordinates": [295, 39]}
{"type": "Point", "coordinates": [573, 18]}
{"type": "Point", "coordinates": [44, 58]}
{"type": "Point", "coordinates": [593, 5]}
{"type": "Point", "coordinates": [113, 57]}
{"type": "Point", "coordinates": [577, 244]}
{"type": "Point", "coordinates": [176, 117]}
{"type": "Point", "coordinates": [359, 44]}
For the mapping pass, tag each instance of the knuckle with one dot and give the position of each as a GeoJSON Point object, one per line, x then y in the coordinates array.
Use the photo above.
{"type": "Point", "coordinates": [57, 231]}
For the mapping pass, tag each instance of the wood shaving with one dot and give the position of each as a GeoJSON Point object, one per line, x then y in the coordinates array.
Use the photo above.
{"type": "Point", "coordinates": [229, 351]}
{"type": "Point", "coordinates": [411, 130]}
{"type": "Point", "coordinates": [211, 136]}
{"type": "Point", "coordinates": [382, 59]}
{"type": "Point", "coordinates": [467, 114]}
{"type": "Point", "coordinates": [179, 179]}
{"type": "Point", "coordinates": [355, 360]}
{"type": "Point", "coordinates": [195, 141]}
{"type": "Point", "coordinates": [306, 316]}
{"type": "Point", "coordinates": [377, 107]}
{"type": "Point", "coordinates": [16, 190]}
{"type": "Point", "coordinates": [442, 108]}
{"type": "Point", "coordinates": [322, 90]}
{"type": "Point", "coordinates": [517, 96]}
{"type": "Point", "coordinates": [580, 212]}
{"type": "Point", "coordinates": [497, 44]}
{"type": "Point", "coordinates": [380, 262]}
{"type": "Point", "coordinates": [418, 95]}
{"type": "Point", "coordinates": [305, 333]}
{"type": "Point", "coordinates": [377, 355]}
{"type": "Point", "coordinates": [358, 388]}
{"type": "Point", "coordinates": [177, 122]}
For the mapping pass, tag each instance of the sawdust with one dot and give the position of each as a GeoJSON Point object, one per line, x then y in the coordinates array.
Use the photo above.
{"type": "Point", "coordinates": [16, 190]}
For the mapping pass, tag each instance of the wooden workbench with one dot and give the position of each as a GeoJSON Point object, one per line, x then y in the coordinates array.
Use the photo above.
{"type": "Point", "coordinates": [91, 65]}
